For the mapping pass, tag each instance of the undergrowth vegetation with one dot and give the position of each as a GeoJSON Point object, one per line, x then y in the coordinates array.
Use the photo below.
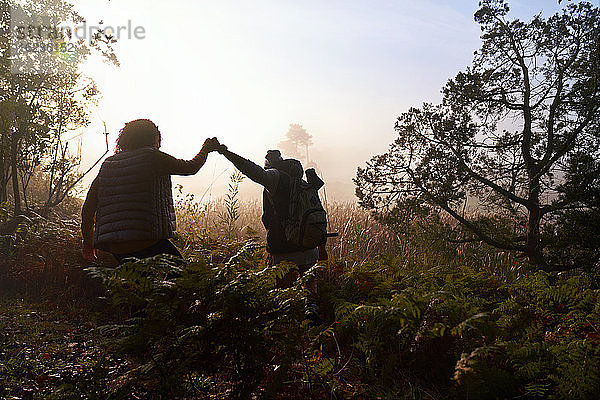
{"type": "Point", "coordinates": [226, 330]}
{"type": "Point", "coordinates": [399, 318]}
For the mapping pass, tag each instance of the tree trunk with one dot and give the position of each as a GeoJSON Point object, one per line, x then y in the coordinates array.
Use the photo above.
{"type": "Point", "coordinates": [15, 176]}
{"type": "Point", "coordinates": [307, 159]}
{"type": "Point", "coordinates": [3, 194]}
{"type": "Point", "coordinates": [3, 168]}
{"type": "Point", "coordinates": [534, 248]}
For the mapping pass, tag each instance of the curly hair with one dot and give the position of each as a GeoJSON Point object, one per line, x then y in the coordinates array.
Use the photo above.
{"type": "Point", "coordinates": [136, 134]}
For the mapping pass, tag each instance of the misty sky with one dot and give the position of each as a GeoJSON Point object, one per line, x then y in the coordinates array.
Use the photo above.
{"type": "Point", "coordinates": [243, 71]}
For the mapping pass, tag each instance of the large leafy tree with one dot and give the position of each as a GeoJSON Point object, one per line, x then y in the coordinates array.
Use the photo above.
{"type": "Point", "coordinates": [44, 98]}
{"type": "Point", "coordinates": [517, 133]}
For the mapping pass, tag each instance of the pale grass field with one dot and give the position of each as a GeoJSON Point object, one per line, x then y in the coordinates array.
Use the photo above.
{"type": "Point", "coordinates": [361, 237]}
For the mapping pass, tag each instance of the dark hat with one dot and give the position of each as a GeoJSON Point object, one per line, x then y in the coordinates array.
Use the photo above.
{"type": "Point", "coordinates": [273, 156]}
{"type": "Point", "coordinates": [290, 166]}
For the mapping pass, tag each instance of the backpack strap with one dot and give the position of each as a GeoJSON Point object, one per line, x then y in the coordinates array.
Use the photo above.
{"type": "Point", "coordinates": [271, 196]}
{"type": "Point", "coordinates": [293, 197]}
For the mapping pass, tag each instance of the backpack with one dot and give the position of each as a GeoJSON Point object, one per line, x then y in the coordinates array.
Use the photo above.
{"type": "Point", "coordinates": [306, 226]}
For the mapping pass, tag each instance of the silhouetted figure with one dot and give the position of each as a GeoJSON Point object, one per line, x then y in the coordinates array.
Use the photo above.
{"type": "Point", "coordinates": [277, 178]}
{"type": "Point", "coordinates": [129, 210]}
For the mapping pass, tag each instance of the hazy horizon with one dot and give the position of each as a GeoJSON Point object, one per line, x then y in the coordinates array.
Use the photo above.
{"type": "Point", "coordinates": [244, 72]}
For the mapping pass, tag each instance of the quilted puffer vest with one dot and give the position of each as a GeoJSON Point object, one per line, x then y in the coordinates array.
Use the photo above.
{"type": "Point", "coordinates": [133, 202]}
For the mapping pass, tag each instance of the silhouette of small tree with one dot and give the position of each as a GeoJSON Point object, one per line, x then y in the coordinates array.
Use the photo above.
{"type": "Point", "coordinates": [297, 143]}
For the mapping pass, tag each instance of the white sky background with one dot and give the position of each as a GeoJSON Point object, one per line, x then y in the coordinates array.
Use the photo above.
{"type": "Point", "coordinates": [244, 70]}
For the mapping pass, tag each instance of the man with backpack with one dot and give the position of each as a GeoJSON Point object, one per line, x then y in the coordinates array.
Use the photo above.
{"type": "Point", "coordinates": [293, 215]}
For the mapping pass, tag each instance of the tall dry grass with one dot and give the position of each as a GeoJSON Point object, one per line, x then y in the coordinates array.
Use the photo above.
{"type": "Point", "coordinates": [360, 236]}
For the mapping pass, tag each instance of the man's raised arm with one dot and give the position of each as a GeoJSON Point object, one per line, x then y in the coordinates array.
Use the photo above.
{"type": "Point", "coordinates": [268, 178]}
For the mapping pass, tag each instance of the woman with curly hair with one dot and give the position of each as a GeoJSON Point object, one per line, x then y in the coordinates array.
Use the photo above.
{"type": "Point", "coordinates": [129, 209]}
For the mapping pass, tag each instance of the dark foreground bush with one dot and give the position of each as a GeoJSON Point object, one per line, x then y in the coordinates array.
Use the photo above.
{"type": "Point", "coordinates": [41, 260]}
{"type": "Point", "coordinates": [222, 331]}
{"type": "Point", "coordinates": [202, 329]}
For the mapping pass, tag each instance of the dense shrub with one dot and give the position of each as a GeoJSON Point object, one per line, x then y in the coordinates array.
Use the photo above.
{"type": "Point", "coordinates": [207, 329]}
{"type": "Point", "coordinates": [41, 260]}
{"type": "Point", "coordinates": [206, 325]}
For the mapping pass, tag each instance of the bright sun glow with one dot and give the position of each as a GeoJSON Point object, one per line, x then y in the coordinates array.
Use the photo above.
{"type": "Point", "coordinates": [243, 71]}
